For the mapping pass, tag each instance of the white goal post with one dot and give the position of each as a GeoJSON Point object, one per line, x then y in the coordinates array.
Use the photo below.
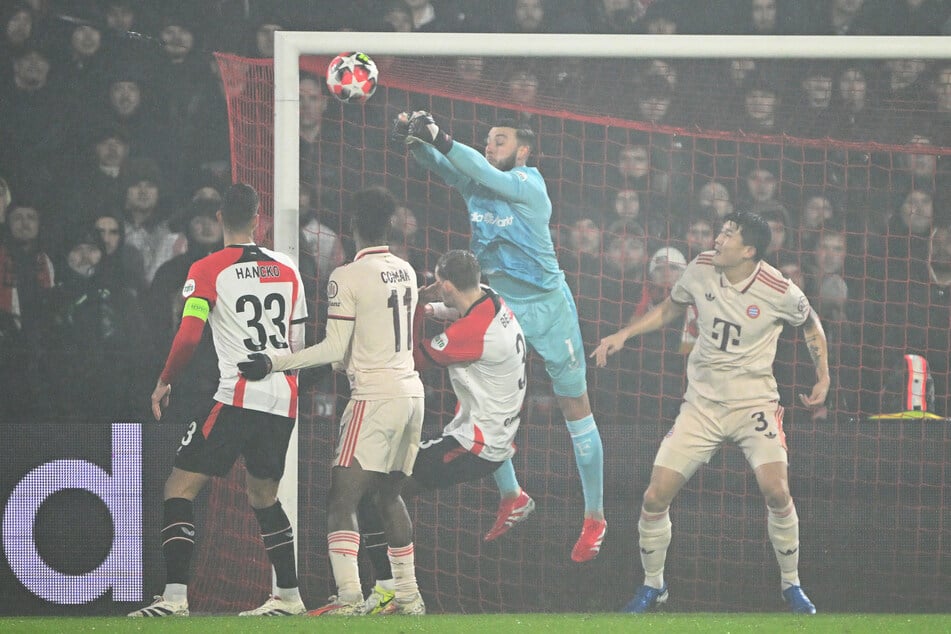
{"type": "Point", "coordinates": [290, 45]}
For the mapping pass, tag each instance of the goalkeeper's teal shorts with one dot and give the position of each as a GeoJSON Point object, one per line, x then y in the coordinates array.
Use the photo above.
{"type": "Point", "coordinates": [550, 323]}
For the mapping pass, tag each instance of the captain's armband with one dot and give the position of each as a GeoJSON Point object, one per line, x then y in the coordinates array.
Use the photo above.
{"type": "Point", "coordinates": [196, 307]}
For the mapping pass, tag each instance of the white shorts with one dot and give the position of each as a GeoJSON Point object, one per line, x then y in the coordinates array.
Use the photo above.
{"type": "Point", "coordinates": [383, 436]}
{"type": "Point", "coordinates": [702, 426]}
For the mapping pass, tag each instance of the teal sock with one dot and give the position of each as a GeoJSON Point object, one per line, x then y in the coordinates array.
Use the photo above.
{"type": "Point", "coordinates": [505, 479]}
{"type": "Point", "coordinates": [589, 455]}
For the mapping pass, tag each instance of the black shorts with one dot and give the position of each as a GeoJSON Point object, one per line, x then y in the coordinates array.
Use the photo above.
{"type": "Point", "coordinates": [210, 447]}
{"type": "Point", "coordinates": [442, 462]}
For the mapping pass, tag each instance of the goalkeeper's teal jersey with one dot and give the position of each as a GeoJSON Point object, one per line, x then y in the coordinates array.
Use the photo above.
{"type": "Point", "coordinates": [509, 213]}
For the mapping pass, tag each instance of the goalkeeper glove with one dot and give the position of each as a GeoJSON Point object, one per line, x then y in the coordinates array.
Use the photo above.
{"type": "Point", "coordinates": [256, 367]}
{"type": "Point", "coordinates": [423, 127]}
{"type": "Point", "coordinates": [400, 128]}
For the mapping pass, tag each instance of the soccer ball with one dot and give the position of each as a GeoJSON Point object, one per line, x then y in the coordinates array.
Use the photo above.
{"type": "Point", "coordinates": [351, 77]}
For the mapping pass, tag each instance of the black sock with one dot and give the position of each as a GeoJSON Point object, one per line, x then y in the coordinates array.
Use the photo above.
{"type": "Point", "coordinates": [374, 538]}
{"type": "Point", "coordinates": [178, 539]}
{"type": "Point", "coordinates": [278, 539]}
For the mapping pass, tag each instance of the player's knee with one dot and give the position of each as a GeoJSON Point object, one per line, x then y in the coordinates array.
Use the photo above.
{"type": "Point", "coordinates": [656, 500]}
{"type": "Point", "coordinates": [776, 494]}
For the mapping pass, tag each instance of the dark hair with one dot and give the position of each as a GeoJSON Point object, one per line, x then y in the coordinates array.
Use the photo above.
{"type": "Point", "coordinates": [523, 135]}
{"type": "Point", "coordinates": [461, 268]}
{"type": "Point", "coordinates": [754, 229]}
{"type": "Point", "coordinates": [371, 210]}
{"type": "Point", "coordinates": [239, 205]}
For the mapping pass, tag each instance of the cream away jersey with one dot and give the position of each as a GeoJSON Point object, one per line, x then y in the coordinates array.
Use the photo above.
{"type": "Point", "coordinates": [737, 329]}
{"type": "Point", "coordinates": [256, 301]}
{"type": "Point", "coordinates": [485, 353]}
{"type": "Point", "coordinates": [377, 292]}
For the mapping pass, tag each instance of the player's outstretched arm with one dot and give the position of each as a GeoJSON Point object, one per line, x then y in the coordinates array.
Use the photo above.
{"type": "Point", "coordinates": [654, 319]}
{"type": "Point", "coordinates": [425, 154]}
{"type": "Point", "coordinates": [819, 351]}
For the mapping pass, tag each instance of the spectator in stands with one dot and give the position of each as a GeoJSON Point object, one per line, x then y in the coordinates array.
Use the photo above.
{"type": "Point", "coordinates": [469, 68]}
{"type": "Point", "coordinates": [762, 18]}
{"type": "Point", "coordinates": [581, 262]}
{"type": "Point", "coordinates": [32, 119]}
{"type": "Point", "coordinates": [828, 258]}
{"type": "Point", "coordinates": [93, 325]}
{"type": "Point", "coordinates": [781, 239]}
{"type": "Point", "coordinates": [132, 106]}
{"type": "Point", "coordinates": [813, 116]}
{"type": "Point", "coordinates": [638, 171]}
{"type": "Point", "coordinates": [906, 85]}
{"type": "Point", "coordinates": [321, 244]}
{"type": "Point", "coordinates": [530, 16]}
{"type": "Point", "coordinates": [653, 101]}
{"type": "Point", "coordinates": [26, 275]}
{"type": "Point", "coordinates": [145, 227]}
{"type": "Point", "coordinates": [761, 184]}
{"type": "Point", "coordinates": [16, 20]}
{"type": "Point", "coordinates": [180, 69]}
{"type": "Point", "coordinates": [616, 16]}
{"type": "Point", "coordinates": [320, 147]}
{"type": "Point", "coordinates": [662, 18]}
{"type": "Point", "coordinates": [93, 184]}
{"type": "Point", "coordinates": [917, 170]}
{"type": "Point", "coordinates": [817, 212]}
{"type": "Point", "coordinates": [700, 230]}
{"type": "Point", "coordinates": [715, 196]}
{"type": "Point", "coordinates": [123, 16]}
{"type": "Point", "coordinates": [721, 112]}
{"type": "Point", "coordinates": [625, 270]}
{"type": "Point", "coordinates": [844, 17]}
{"type": "Point", "coordinates": [398, 16]}
{"type": "Point", "coordinates": [122, 264]}
{"type": "Point", "coordinates": [86, 65]}
{"type": "Point", "coordinates": [858, 117]}
{"type": "Point", "coordinates": [942, 104]}
{"type": "Point", "coordinates": [522, 85]}
{"type": "Point", "coordinates": [262, 37]}
{"type": "Point", "coordinates": [760, 107]}
{"type": "Point", "coordinates": [430, 18]}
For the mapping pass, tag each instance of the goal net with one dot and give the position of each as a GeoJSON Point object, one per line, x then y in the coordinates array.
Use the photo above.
{"type": "Point", "coordinates": [642, 149]}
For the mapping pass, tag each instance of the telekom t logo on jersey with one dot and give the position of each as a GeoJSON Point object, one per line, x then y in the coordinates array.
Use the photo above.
{"type": "Point", "coordinates": [721, 332]}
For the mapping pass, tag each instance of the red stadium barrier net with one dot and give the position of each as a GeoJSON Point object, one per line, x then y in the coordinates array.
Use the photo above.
{"type": "Point", "coordinates": [873, 497]}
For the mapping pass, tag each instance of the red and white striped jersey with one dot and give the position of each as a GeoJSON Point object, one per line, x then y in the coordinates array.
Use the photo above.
{"type": "Point", "coordinates": [737, 329]}
{"type": "Point", "coordinates": [378, 293]}
{"type": "Point", "coordinates": [485, 353]}
{"type": "Point", "coordinates": [256, 301]}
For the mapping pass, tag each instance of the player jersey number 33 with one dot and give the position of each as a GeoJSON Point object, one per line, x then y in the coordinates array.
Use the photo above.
{"type": "Point", "coordinates": [254, 295]}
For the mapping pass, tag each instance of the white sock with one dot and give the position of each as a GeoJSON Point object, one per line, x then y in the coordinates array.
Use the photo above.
{"type": "Point", "coordinates": [782, 525]}
{"type": "Point", "coordinates": [655, 533]}
{"type": "Point", "coordinates": [176, 592]}
{"type": "Point", "coordinates": [287, 594]}
{"type": "Point", "coordinates": [403, 564]}
{"type": "Point", "coordinates": [387, 584]}
{"type": "Point", "coordinates": [343, 547]}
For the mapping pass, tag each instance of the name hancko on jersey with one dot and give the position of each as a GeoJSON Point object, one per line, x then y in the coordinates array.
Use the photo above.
{"type": "Point", "coordinates": [262, 271]}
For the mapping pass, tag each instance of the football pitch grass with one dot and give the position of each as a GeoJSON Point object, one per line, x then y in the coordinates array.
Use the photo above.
{"type": "Point", "coordinates": [509, 623]}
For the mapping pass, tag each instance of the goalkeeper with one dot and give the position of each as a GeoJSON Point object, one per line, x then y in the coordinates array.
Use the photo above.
{"type": "Point", "coordinates": [509, 211]}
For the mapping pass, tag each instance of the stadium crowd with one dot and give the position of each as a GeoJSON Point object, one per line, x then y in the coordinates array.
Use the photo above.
{"type": "Point", "coordinates": [114, 151]}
